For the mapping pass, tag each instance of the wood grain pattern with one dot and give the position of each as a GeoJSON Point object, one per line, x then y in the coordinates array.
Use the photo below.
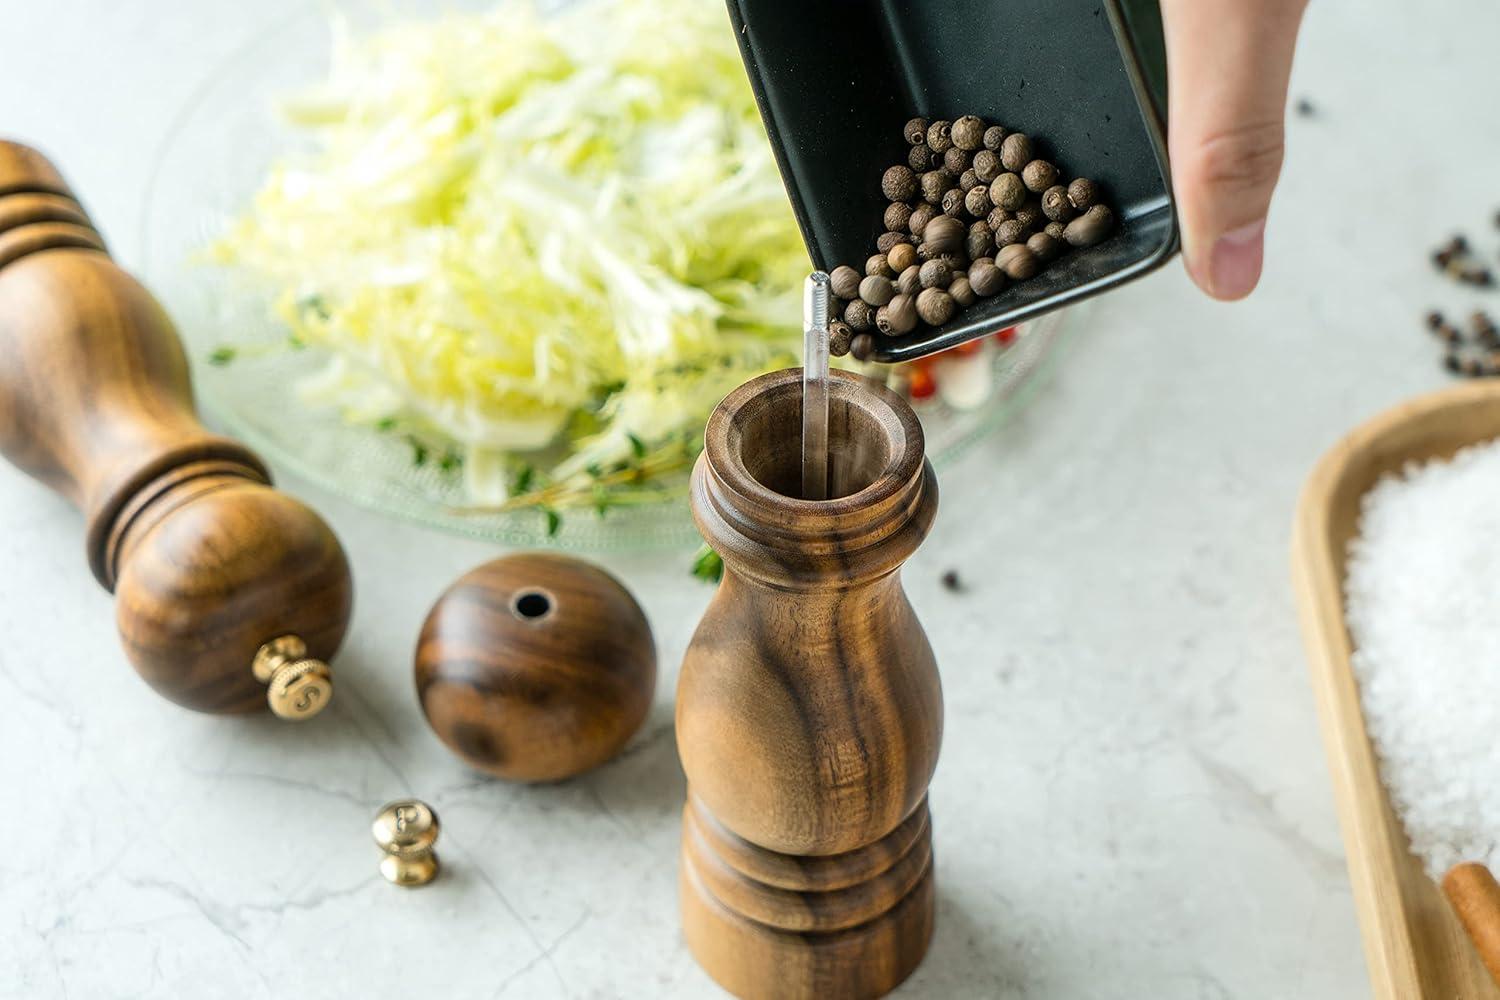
{"type": "Point", "coordinates": [1414, 945]}
{"type": "Point", "coordinates": [809, 710]}
{"type": "Point", "coordinates": [206, 561]}
{"type": "Point", "coordinates": [536, 667]}
{"type": "Point", "coordinates": [1475, 897]}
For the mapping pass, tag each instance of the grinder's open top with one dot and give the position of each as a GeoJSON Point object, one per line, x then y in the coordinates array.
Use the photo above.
{"type": "Point", "coordinates": [837, 79]}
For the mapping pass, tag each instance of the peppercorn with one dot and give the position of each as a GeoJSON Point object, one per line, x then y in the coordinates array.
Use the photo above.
{"type": "Point", "coordinates": [889, 241]}
{"type": "Point", "coordinates": [1009, 233]}
{"type": "Point", "coordinates": [1091, 227]}
{"type": "Point", "coordinates": [969, 181]}
{"type": "Point", "coordinates": [951, 581]}
{"type": "Point", "coordinates": [1015, 152]}
{"type": "Point", "coordinates": [1081, 192]}
{"type": "Point", "coordinates": [986, 279]}
{"type": "Point", "coordinates": [897, 316]}
{"type": "Point", "coordinates": [877, 290]}
{"type": "Point", "coordinates": [899, 184]}
{"type": "Point", "coordinates": [1452, 362]}
{"type": "Point", "coordinates": [902, 256]}
{"type": "Point", "coordinates": [977, 201]}
{"type": "Point", "coordinates": [915, 131]}
{"type": "Point", "coordinates": [936, 274]}
{"type": "Point", "coordinates": [920, 216]}
{"type": "Point", "coordinates": [940, 136]}
{"type": "Point", "coordinates": [987, 166]}
{"type": "Point", "coordinates": [935, 183]}
{"type": "Point", "coordinates": [935, 306]}
{"type": "Point", "coordinates": [945, 234]}
{"type": "Point", "coordinates": [1030, 215]}
{"type": "Point", "coordinates": [1055, 204]}
{"type": "Point", "coordinates": [860, 316]}
{"type": "Point", "coordinates": [910, 282]}
{"type": "Point", "coordinates": [1477, 275]}
{"type": "Point", "coordinates": [954, 202]}
{"type": "Point", "coordinates": [962, 292]}
{"type": "Point", "coordinates": [921, 159]}
{"type": "Point", "coordinates": [1435, 320]}
{"type": "Point", "coordinates": [968, 132]}
{"type": "Point", "coordinates": [981, 241]}
{"type": "Point", "coordinates": [1055, 230]}
{"type": "Point", "coordinates": [1045, 247]}
{"type": "Point", "coordinates": [998, 216]}
{"type": "Point", "coordinates": [1017, 261]}
{"type": "Point", "coordinates": [1008, 191]}
{"type": "Point", "coordinates": [1039, 175]}
{"type": "Point", "coordinates": [897, 216]}
{"type": "Point", "coordinates": [1484, 329]}
{"type": "Point", "coordinates": [994, 137]}
{"type": "Point", "coordinates": [862, 346]}
{"type": "Point", "coordinates": [844, 281]}
{"type": "Point", "coordinates": [839, 336]}
{"type": "Point", "coordinates": [956, 161]}
{"type": "Point", "coordinates": [1471, 367]}
{"type": "Point", "coordinates": [879, 264]}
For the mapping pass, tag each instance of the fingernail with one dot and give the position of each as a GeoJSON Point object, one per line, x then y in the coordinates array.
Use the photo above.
{"type": "Point", "coordinates": [1234, 263]}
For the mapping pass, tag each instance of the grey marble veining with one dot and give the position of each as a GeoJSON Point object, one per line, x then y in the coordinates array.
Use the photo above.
{"type": "Point", "coordinates": [1132, 800]}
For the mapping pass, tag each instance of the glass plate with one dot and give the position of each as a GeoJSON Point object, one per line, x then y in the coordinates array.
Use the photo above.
{"type": "Point", "coordinates": [210, 163]}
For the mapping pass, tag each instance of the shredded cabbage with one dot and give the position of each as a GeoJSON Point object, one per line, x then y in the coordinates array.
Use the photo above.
{"type": "Point", "coordinates": [522, 234]}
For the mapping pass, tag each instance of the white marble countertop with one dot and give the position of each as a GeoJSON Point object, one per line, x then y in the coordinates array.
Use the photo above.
{"type": "Point", "coordinates": [1132, 799]}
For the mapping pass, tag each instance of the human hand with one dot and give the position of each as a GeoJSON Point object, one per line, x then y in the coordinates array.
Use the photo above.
{"type": "Point", "coordinates": [1228, 62]}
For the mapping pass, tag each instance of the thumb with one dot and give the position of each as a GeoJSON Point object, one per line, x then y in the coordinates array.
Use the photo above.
{"type": "Point", "coordinates": [1228, 63]}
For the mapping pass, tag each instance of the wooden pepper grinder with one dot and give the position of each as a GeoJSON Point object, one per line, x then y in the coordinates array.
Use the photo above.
{"type": "Point", "coordinates": [809, 710]}
{"type": "Point", "coordinates": [229, 595]}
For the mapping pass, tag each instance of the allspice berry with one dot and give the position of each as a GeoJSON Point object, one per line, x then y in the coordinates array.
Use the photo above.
{"type": "Point", "coordinates": [839, 336]}
{"type": "Point", "coordinates": [1008, 191]}
{"type": "Point", "coordinates": [1055, 204]}
{"type": "Point", "coordinates": [1017, 261]}
{"type": "Point", "coordinates": [897, 316]}
{"type": "Point", "coordinates": [877, 290]}
{"type": "Point", "coordinates": [1015, 152]}
{"type": "Point", "coordinates": [1091, 227]}
{"type": "Point", "coordinates": [1030, 215]}
{"type": "Point", "coordinates": [1082, 193]}
{"type": "Point", "coordinates": [986, 279]}
{"type": "Point", "coordinates": [998, 216]}
{"type": "Point", "coordinates": [977, 201]}
{"type": "Point", "coordinates": [956, 161]}
{"type": "Point", "coordinates": [1055, 230]}
{"type": "Point", "coordinates": [962, 292]}
{"type": "Point", "coordinates": [945, 234]}
{"type": "Point", "coordinates": [879, 264]}
{"type": "Point", "coordinates": [860, 316]}
{"type": "Point", "coordinates": [920, 216]}
{"type": "Point", "coordinates": [897, 216]}
{"type": "Point", "coordinates": [1039, 175]}
{"type": "Point", "coordinates": [936, 306]}
{"type": "Point", "coordinates": [1045, 247]}
{"type": "Point", "coordinates": [968, 133]}
{"type": "Point", "coordinates": [1009, 233]}
{"type": "Point", "coordinates": [935, 183]}
{"type": "Point", "coordinates": [921, 159]}
{"type": "Point", "coordinates": [862, 346]}
{"type": "Point", "coordinates": [954, 202]}
{"type": "Point", "coordinates": [981, 241]}
{"type": "Point", "coordinates": [940, 136]}
{"type": "Point", "coordinates": [844, 282]}
{"type": "Point", "coordinates": [915, 131]}
{"type": "Point", "coordinates": [899, 184]}
{"type": "Point", "coordinates": [987, 166]}
{"type": "Point", "coordinates": [899, 258]}
{"type": "Point", "coordinates": [936, 274]}
{"type": "Point", "coordinates": [994, 137]}
{"type": "Point", "coordinates": [956, 262]}
{"type": "Point", "coordinates": [889, 241]}
{"type": "Point", "coordinates": [969, 181]}
{"type": "Point", "coordinates": [910, 282]}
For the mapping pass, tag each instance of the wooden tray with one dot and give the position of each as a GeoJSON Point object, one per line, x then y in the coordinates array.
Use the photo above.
{"type": "Point", "coordinates": [1414, 944]}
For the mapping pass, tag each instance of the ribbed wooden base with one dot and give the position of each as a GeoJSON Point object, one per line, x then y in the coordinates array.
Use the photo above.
{"type": "Point", "coordinates": [771, 926]}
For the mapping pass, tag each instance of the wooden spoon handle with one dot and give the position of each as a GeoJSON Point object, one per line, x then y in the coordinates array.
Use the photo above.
{"type": "Point", "coordinates": [1475, 896]}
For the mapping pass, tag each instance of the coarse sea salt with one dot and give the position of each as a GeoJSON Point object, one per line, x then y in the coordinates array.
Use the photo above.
{"type": "Point", "coordinates": [1422, 599]}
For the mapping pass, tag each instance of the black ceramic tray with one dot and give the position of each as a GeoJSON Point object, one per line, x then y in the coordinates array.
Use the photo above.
{"type": "Point", "coordinates": [836, 80]}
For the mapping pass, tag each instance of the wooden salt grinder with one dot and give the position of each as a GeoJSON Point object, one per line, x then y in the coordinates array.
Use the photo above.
{"type": "Point", "coordinates": [809, 711]}
{"type": "Point", "coordinates": [229, 595]}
